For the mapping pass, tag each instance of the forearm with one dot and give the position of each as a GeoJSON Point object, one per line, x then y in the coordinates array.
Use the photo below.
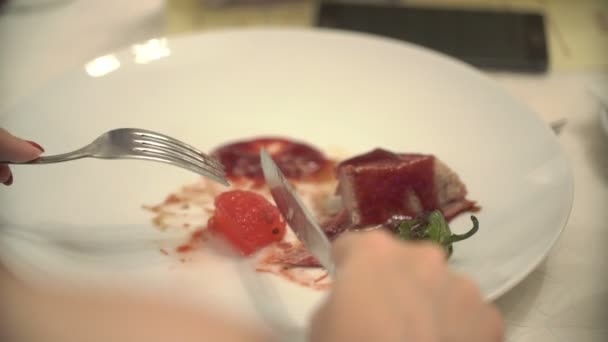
{"type": "Point", "coordinates": [29, 315]}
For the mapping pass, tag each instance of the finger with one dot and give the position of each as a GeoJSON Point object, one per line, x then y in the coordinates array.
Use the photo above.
{"type": "Point", "coordinates": [348, 243]}
{"type": "Point", "coordinates": [480, 322]}
{"type": "Point", "coordinates": [484, 324]}
{"type": "Point", "coordinates": [464, 290]}
{"type": "Point", "coordinates": [430, 266]}
{"type": "Point", "coordinates": [5, 174]}
{"type": "Point", "coordinates": [17, 150]}
{"type": "Point", "coordinates": [491, 325]}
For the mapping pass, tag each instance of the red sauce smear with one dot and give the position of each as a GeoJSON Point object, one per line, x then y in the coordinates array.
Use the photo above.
{"type": "Point", "coordinates": [196, 240]}
{"type": "Point", "coordinates": [290, 255]}
{"type": "Point", "coordinates": [279, 263]}
{"type": "Point", "coordinates": [296, 160]}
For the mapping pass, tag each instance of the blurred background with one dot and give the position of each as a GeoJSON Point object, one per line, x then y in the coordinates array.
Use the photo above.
{"type": "Point", "coordinates": [42, 38]}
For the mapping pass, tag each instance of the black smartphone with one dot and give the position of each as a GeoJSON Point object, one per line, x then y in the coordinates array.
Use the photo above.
{"type": "Point", "coordinates": [514, 41]}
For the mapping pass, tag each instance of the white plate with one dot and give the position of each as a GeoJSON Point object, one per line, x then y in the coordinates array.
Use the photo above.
{"type": "Point", "coordinates": [332, 89]}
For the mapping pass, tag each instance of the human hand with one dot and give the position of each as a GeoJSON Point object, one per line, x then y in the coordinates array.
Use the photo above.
{"type": "Point", "coordinates": [15, 150]}
{"type": "Point", "coordinates": [391, 291]}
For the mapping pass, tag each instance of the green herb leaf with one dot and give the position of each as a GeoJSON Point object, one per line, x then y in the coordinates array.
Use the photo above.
{"type": "Point", "coordinates": [433, 227]}
{"type": "Point", "coordinates": [405, 229]}
{"type": "Point", "coordinates": [438, 228]}
{"type": "Point", "coordinates": [455, 237]}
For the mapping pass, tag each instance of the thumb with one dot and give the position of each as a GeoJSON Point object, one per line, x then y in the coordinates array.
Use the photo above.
{"type": "Point", "coordinates": [17, 150]}
{"type": "Point", "coordinates": [352, 242]}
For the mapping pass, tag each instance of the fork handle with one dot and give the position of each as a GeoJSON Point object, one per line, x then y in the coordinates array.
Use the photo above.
{"type": "Point", "coordinates": [78, 154]}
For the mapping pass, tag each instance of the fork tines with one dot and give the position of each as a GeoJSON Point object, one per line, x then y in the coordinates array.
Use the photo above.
{"type": "Point", "coordinates": [163, 146]}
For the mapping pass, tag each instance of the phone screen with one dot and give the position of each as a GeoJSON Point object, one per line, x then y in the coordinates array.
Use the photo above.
{"type": "Point", "coordinates": [485, 39]}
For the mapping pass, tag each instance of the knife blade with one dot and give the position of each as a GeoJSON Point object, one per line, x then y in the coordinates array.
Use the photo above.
{"type": "Point", "coordinates": [295, 213]}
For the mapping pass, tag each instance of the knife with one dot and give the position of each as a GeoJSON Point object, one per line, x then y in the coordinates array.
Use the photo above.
{"type": "Point", "coordinates": [295, 213]}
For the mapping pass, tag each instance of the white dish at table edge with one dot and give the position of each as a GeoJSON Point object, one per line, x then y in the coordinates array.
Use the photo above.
{"type": "Point", "coordinates": [331, 89]}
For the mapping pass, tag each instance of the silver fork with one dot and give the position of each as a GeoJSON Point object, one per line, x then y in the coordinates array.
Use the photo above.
{"type": "Point", "coordinates": [133, 143]}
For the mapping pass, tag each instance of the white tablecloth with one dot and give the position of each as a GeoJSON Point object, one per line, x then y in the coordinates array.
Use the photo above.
{"type": "Point", "coordinates": [565, 300]}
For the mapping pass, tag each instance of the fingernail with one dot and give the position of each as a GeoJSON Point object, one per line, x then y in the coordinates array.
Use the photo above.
{"type": "Point", "coordinates": [9, 181]}
{"type": "Point", "coordinates": [36, 145]}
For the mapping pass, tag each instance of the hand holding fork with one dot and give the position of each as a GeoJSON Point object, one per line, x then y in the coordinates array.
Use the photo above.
{"type": "Point", "coordinates": [131, 143]}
